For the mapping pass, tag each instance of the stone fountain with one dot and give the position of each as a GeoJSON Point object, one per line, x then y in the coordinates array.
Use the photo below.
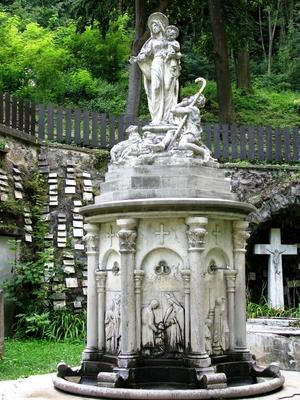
{"type": "Point", "coordinates": [166, 238]}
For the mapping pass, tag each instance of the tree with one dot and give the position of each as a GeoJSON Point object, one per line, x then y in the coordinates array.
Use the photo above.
{"type": "Point", "coordinates": [103, 11]}
{"type": "Point", "coordinates": [220, 53]}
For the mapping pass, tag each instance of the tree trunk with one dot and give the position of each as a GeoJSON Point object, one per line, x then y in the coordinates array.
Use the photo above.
{"type": "Point", "coordinates": [243, 70]}
{"type": "Point", "coordinates": [220, 52]}
{"type": "Point", "coordinates": [134, 84]}
{"type": "Point", "coordinates": [261, 34]}
{"type": "Point", "coordinates": [271, 31]}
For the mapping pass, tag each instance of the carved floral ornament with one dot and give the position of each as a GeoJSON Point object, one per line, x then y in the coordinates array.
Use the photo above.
{"type": "Point", "coordinates": [240, 234]}
{"type": "Point", "coordinates": [196, 237]}
{"type": "Point", "coordinates": [91, 241]}
{"type": "Point", "coordinates": [127, 240]}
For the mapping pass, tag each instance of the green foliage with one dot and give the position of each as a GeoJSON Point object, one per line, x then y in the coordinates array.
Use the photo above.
{"type": "Point", "coordinates": [60, 66]}
{"type": "Point", "coordinates": [101, 159]}
{"type": "Point", "coordinates": [263, 309]}
{"type": "Point", "coordinates": [12, 207]}
{"type": "Point", "coordinates": [27, 287]}
{"type": "Point", "coordinates": [111, 98]}
{"type": "Point", "coordinates": [54, 325]}
{"type": "Point", "coordinates": [65, 325]}
{"type": "Point", "coordinates": [23, 358]}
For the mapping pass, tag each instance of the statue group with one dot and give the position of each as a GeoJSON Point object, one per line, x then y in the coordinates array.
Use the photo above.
{"type": "Point", "coordinates": [175, 127]}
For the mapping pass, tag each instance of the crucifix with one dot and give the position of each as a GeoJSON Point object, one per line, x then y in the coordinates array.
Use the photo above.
{"type": "Point", "coordinates": [275, 250]}
{"type": "Point", "coordinates": [162, 233]}
{"type": "Point", "coordinates": [110, 235]}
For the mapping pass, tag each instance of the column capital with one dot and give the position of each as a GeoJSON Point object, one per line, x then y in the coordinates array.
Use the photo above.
{"type": "Point", "coordinates": [127, 234]}
{"type": "Point", "coordinates": [240, 235]}
{"type": "Point", "coordinates": [196, 232]}
{"type": "Point", "coordinates": [91, 238]}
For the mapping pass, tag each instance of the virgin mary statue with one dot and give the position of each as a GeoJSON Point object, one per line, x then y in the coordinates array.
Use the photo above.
{"type": "Point", "coordinates": [153, 62]}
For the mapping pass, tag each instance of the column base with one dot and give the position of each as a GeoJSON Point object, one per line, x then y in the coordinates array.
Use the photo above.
{"type": "Point", "coordinates": [91, 354]}
{"type": "Point", "coordinates": [241, 354]}
{"type": "Point", "coordinates": [128, 360]}
{"type": "Point", "coordinates": [199, 361]}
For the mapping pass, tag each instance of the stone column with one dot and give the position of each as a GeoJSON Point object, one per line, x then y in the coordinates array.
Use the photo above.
{"type": "Point", "coordinates": [138, 278]}
{"type": "Point", "coordinates": [101, 289]}
{"type": "Point", "coordinates": [197, 357]}
{"type": "Point", "coordinates": [127, 241]}
{"type": "Point", "coordinates": [186, 277]}
{"type": "Point", "coordinates": [92, 252]}
{"type": "Point", "coordinates": [240, 235]}
{"type": "Point", "coordinates": [230, 277]}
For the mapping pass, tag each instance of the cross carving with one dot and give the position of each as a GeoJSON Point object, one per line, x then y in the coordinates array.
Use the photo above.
{"type": "Point", "coordinates": [111, 235]}
{"type": "Point", "coordinates": [217, 233]}
{"type": "Point", "coordinates": [275, 250]}
{"type": "Point", "coordinates": [162, 233]}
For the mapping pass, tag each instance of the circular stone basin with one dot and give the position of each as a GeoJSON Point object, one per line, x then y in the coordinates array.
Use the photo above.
{"type": "Point", "coordinates": [264, 385]}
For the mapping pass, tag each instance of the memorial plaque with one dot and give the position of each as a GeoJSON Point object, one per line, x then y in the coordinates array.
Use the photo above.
{"type": "Point", "coordinates": [70, 190]}
{"type": "Point", "coordinates": [87, 182]}
{"type": "Point", "coordinates": [78, 232]}
{"type": "Point", "coordinates": [71, 282]}
{"type": "Point", "coordinates": [70, 182]}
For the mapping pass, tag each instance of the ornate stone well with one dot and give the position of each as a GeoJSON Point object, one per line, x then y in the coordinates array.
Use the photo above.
{"type": "Point", "coordinates": [166, 263]}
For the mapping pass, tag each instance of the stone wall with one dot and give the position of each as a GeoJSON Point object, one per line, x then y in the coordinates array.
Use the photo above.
{"type": "Point", "coordinates": [275, 340]}
{"type": "Point", "coordinates": [269, 188]}
{"type": "Point", "coordinates": [72, 178]}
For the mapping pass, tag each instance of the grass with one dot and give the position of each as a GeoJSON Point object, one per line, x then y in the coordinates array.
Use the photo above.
{"type": "Point", "coordinates": [23, 358]}
{"type": "Point", "coordinates": [263, 309]}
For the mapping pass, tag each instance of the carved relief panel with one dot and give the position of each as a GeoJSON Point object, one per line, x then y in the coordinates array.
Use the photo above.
{"type": "Point", "coordinates": [111, 263]}
{"type": "Point", "coordinates": [163, 305]}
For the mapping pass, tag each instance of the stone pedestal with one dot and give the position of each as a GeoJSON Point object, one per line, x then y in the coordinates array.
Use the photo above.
{"type": "Point", "coordinates": [160, 291]}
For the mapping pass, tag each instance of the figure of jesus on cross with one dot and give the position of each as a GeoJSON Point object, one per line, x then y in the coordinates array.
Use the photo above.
{"type": "Point", "coordinates": [275, 250]}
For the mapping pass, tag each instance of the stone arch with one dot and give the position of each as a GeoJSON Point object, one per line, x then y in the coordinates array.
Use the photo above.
{"type": "Point", "coordinates": [280, 210]}
{"type": "Point", "coordinates": [161, 252]}
{"type": "Point", "coordinates": [218, 255]}
{"type": "Point", "coordinates": [275, 201]}
{"type": "Point", "coordinates": [113, 279]}
{"type": "Point", "coordinates": [215, 280]}
{"type": "Point", "coordinates": [107, 256]}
